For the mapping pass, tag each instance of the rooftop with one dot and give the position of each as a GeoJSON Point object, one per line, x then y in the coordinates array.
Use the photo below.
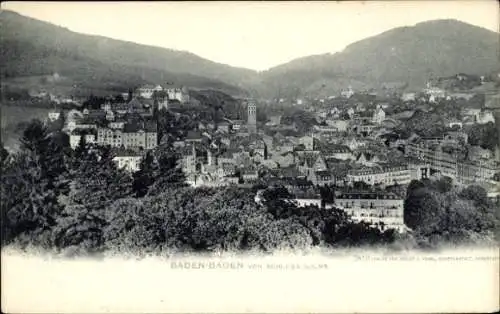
{"type": "Point", "coordinates": [367, 195]}
{"type": "Point", "coordinates": [123, 152]}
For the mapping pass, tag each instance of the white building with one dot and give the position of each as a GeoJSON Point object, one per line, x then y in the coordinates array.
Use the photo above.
{"type": "Point", "coordinates": [147, 91]}
{"type": "Point", "coordinates": [347, 93]}
{"type": "Point", "coordinates": [484, 117]}
{"type": "Point", "coordinates": [340, 125]}
{"type": "Point", "coordinates": [74, 139]}
{"type": "Point", "coordinates": [180, 94]}
{"type": "Point", "coordinates": [128, 160]}
{"type": "Point", "coordinates": [392, 175]}
{"type": "Point", "coordinates": [381, 210]}
{"type": "Point", "coordinates": [408, 97]}
{"type": "Point", "coordinates": [307, 141]}
{"type": "Point", "coordinates": [378, 115]}
{"type": "Point", "coordinates": [434, 93]}
{"type": "Point", "coordinates": [350, 112]}
{"type": "Point", "coordinates": [54, 115]}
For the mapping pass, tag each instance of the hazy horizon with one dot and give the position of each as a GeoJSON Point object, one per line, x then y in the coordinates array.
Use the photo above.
{"type": "Point", "coordinates": [252, 35]}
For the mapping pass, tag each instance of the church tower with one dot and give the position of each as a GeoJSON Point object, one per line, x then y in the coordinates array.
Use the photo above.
{"type": "Point", "coordinates": [252, 117]}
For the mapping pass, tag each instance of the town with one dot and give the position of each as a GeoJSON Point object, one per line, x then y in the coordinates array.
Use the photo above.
{"type": "Point", "coordinates": [355, 145]}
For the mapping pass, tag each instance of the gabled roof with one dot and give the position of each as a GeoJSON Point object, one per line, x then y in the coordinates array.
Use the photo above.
{"type": "Point", "coordinates": [335, 149]}
{"type": "Point", "coordinates": [308, 160]}
{"type": "Point", "coordinates": [135, 104]}
{"type": "Point", "coordinates": [147, 86]}
{"type": "Point", "coordinates": [132, 127]}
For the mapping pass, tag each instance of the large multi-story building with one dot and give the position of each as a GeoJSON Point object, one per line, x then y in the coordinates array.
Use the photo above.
{"type": "Point", "coordinates": [451, 163]}
{"type": "Point", "coordinates": [379, 209]}
{"type": "Point", "coordinates": [147, 91]}
{"type": "Point", "coordinates": [384, 175]}
{"type": "Point", "coordinates": [132, 135]}
{"type": "Point", "coordinates": [446, 162]}
{"type": "Point", "coordinates": [180, 94]}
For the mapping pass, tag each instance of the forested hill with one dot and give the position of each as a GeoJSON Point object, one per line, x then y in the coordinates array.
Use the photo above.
{"type": "Point", "coordinates": [408, 56]}
{"type": "Point", "coordinates": [405, 55]}
{"type": "Point", "coordinates": [30, 47]}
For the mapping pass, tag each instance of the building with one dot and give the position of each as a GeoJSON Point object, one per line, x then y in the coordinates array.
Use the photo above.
{"type": "Point", "coordinates": [162, 103]}
{"type": "Point", "coordinates": [383, 175]}
{"type": "Point", "coordinates": [482, 170]}
{"type": "Point", "coordinates": [341, 152]}
{"type": "Point", "coordinates": [408, 97]}
{"type": "Point", "coordinates": [453, 164]}
{"type": "Point", "coordinates": [308, 142]}
{"type": "Point", "coordinates": [249, 174]}
{"type": "Point", "coordinates": [378, 115]}
{"type": "Point", "coordinates": [434, 92]}
{"type": "Point", "coordinates": [76, 135]}
{"type": "Point", "coordinates": [379, 209]}
{"type": "Point", "coordinates": [365, 129]}
{"type": "Point", "coordinates": [252, 117]}
{"type": "Point", "coordinates": [308, 164]}
{"type": "Point", "coordinates": [347, 93]}
{"type": "Point", "coordinates": [340, 125]}
{"type": "Point", "coordinates": [274, 120]}
{"type": "Point", "coordinates": [180, 94]}
{"type": "Point", "coordinates": [132, 135]}
{"type": "Point", "coordinates": [445, 162]}
{"type": "Point", "coordinates": [237, 125]}
{"type": "Point", "coordinates": [368, 159]}
{"type": "Point", "coordinates": [188, 160]}
{"type": "Point", "coordinates": [147, 91]}
{"type": "Point", "coordinates": [322, 178]}
{"type": "Point", "coordinates": [54, 115]}
{"type": "Point", "coordinates": [223, 127]}
{"type": "Point", "coordinates": [127, 159]}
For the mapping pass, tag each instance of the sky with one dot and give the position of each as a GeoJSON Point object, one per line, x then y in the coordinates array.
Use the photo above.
{"type": "Point", "coordinates": [254, 35]}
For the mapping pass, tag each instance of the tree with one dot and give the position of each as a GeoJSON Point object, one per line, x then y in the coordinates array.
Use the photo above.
{"type": "Point", "coordinates": [4, 156]}
{"type": "Point", "coordinates": [29, 203]}
{"type": "Point", "coordinates": [422, 210]}
{"type": "Point", "coordinates": [169, 172]}
{"type": "Point", "coordinates": [484, 135]}
{"type": "Point", "coordinates": [35, 137]}
{"type": "Point", "coordinates": [361, 185]}
{"type": "Point", "coordinates": [96, 184]}
{"type": "Point", "coordinates": [443, 185]}
{"type": "Point", "coordinates": [119, 99]}
{"type": "Point", "coordinates": [131, 226]}
{"type": "Point", "coordinates": [146, 176]}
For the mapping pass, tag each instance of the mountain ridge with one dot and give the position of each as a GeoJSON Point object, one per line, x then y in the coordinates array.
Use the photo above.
{"type": "Point", "coordinates": [409, 54]}
{"type": "Point", "coordinates": [52, 41]}
{"type": "Point", "coordinates": [446, 44]}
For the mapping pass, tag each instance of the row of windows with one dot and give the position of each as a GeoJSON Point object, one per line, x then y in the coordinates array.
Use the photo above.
{"type": "Point", "coordinates": [371, 205]}
{"type": "Point", "coordinates": [377, 215]}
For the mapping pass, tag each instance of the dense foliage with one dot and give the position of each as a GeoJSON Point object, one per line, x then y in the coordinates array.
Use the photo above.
{"type": "Point", "coordinates": [437, 212]}
{"type": "Point", "coordinates": [484, 135]}
{"type": "Point", "coordinates": [79, 201]}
